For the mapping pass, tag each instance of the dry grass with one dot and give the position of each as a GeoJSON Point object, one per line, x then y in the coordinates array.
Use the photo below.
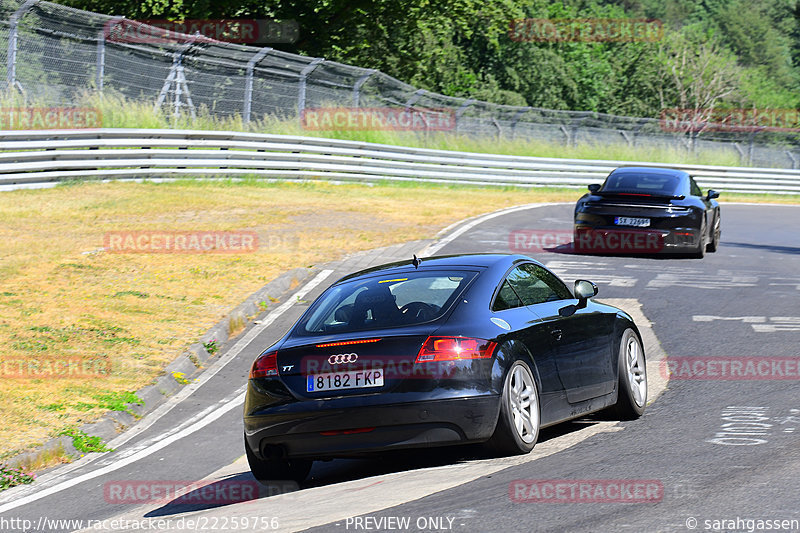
{"type": "Point", "coordinates": [62, 298]}
{"type": "Point", "coordinates": [45, 458]}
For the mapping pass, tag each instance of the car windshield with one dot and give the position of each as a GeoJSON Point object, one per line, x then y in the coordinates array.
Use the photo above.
{"type": "Point", "coordinates": [642, 183]}
{"type": "Point", "coordinates": [384, 302]}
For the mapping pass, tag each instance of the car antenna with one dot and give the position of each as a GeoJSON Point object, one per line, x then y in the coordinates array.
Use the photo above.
{"type": "Point", "coordinates": [416, 261]}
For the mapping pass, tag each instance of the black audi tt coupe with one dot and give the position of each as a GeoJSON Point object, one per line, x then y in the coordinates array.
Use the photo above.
{"type": "Point", "coordinates": [440, 351]}
{"type": "Point", "coordinates": [647, 210]}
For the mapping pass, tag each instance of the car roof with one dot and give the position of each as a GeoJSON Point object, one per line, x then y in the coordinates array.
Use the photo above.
{"type": "Point", "coordinates": [661, 171]}
{"type": "Point", "coordinates": [443, 261]}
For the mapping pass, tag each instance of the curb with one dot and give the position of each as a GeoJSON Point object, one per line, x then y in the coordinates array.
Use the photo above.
{"type": "Point", "coordinates": [188, 366]}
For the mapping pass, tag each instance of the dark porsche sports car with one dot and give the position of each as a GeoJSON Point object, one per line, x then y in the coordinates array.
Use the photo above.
{"type": "Point", "coordinates": [647, 210]}
{"type": "Point", "coordinates": [440, 351]}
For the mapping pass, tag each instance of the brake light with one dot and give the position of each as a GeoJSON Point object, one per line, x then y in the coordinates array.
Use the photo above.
{"type": "Point", "coordinates": [454, 348]}
{"type": "Point", "coordinates": [345, 343]}
{"type": "Point", "coordinates": [632, 194]}
{"type": "Point", "coordinates": [266, 365]}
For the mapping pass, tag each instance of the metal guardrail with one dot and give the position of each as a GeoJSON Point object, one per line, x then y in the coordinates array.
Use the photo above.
{"type": "Point", "coordinates": [45, 156]}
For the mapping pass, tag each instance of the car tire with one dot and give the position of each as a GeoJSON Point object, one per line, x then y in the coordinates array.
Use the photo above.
{"type": "Point", "coordinates": [270, 470]}
{"type": "Point", "coordinates": [632, 383]}
{"type": "Point", "coordinates": [714, 244]}
{"type": "Point", "coordinates": [518, 424]}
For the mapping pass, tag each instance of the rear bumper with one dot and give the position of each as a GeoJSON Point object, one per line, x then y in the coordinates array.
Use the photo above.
{"type": "Point", "coordinates": [347, 427]}
{"type": "Point", "coordinates": [628, 240]}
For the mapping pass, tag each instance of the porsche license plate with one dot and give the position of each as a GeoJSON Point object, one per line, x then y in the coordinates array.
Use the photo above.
{"type": "Point", "coordinates": [632, 221]}
{"type": "Point", "coordinates": [354, 379]}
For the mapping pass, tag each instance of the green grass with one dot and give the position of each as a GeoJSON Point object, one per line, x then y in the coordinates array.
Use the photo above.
{"type": "Point", "coordinates": [119, 112]}
{"type": "Point", "coordinates": [11, 477]}
{"type": "Point", "coordinates": [85, 443]}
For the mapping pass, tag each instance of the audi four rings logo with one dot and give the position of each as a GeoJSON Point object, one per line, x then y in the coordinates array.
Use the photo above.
{"type": "Point", "coordinates": [342, 358]}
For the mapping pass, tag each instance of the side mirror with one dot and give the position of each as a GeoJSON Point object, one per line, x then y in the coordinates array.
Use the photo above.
{"type": "Point", "coordinates": [712, 194]}
{"type": "Point", "coordinates": [594, 187]}
{"type": "Point", "coordinates": [584, 290]}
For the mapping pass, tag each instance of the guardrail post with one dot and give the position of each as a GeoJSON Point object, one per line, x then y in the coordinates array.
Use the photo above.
{"type": "Point", "coordinates": [357, 87]}
{"type": "Point", "coordinates": [751, 147]}
{"type": "Point", "coordinates": [101, 52]}
{"type": "Point", "coordinates": [741, 153]}
{"type": "Point", "coordinates": [13, 40]}
{"type": "Point", "coordinates": [565, 131]}
{"type": "Point", "coordinates": [248, 82]}
{"type": "Point", "coordinates": [499, 129]}
{"type": "Point", "coordinates": [793, 158]}
{"type": "Point", "coordinates": [301, 91]}
{"type": "Point", "coordinates": [515, 120]}
{"type": "Point", "coordinates": [460, 111]}
{"type": "Point", "coordinates": [101, 59]}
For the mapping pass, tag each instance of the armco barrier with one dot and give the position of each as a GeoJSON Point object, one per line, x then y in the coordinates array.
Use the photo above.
{"type": "Point", "coordinates": [44, 156]}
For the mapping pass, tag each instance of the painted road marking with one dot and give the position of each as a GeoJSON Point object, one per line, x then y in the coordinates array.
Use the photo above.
{"type": "Point", "coordinates": [789, 282]}
{"type": "Point", "coordinates": [596, 271]}
{"type": "Point", "coordinates": [197, 422]}
{"type": "Point", "coordinates": [761, 324]}
{"type": "Point", "coordinates": [724, 279]}
{"type": "Point", "coordinates": [432, 248]}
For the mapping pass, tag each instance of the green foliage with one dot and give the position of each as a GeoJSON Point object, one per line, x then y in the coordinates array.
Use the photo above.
{"type": "Point", "coordinates": [11, 477]}
{"type": "Point", "coordinates": [463, 47]}
{"type": "Point", "coordinates": [84, 442]}
{"type": "Point", "coordinates": [211, 347]}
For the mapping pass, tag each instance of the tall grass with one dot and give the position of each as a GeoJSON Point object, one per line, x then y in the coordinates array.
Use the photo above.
{"type": "Point", "coordinates": [120, 112]}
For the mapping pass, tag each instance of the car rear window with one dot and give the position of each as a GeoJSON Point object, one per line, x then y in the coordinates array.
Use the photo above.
{"type": "Point", "coordinates": [644, 183]}
{"type": "Point", "coordinates": [384, 302]}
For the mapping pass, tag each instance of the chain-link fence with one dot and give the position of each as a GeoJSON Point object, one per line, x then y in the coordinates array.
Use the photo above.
{"type": "Point", "coordinates": [54, 53]}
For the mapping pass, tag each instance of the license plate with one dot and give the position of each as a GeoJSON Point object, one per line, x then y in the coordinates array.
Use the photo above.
{"type": "Point", "coordinates": [632, 221]}
{"type": "Point", "coordinates": [354, 379]}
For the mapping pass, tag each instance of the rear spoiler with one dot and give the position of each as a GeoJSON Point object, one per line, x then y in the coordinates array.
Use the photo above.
{"type": "Point", "coordinates": [641, 195]}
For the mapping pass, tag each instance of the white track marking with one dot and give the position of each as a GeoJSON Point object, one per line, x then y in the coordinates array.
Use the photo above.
{"type": "Point", "coordinates": [596, 271]}
{"type": "Point", "coordinates": [226, 405]}
{"type": "Point", "coordinates": [434, 247]}
{"type": "Point", "coordinates": [761, 324]}
{"type": "Point", "coordinates": [723, 279]}
{"type": "Point", "coordinates": [302, 509]}
{"type": "Point", "coordinates": [313, 507]}
{"type": "Point", "coordinates": [59, 481]}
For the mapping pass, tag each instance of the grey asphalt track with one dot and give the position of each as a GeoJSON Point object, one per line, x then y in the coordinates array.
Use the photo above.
{"type": "Point", "coordinates": [741, 302]}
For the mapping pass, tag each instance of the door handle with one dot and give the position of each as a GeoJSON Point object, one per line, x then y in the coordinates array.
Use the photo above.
{"type": "Point", "coordinates": [556, 333]}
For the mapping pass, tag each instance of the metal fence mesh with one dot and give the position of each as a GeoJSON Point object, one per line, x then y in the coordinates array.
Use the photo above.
{"type": "Point", "coordinates": [54, 54]}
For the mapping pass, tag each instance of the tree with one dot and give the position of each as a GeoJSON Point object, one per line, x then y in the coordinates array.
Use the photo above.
{"type": "Point", "coordinates": [697, 75]}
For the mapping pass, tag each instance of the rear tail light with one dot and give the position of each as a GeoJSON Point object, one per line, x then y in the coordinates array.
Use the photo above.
{"type": "Point", "coordinates": [454, 348]}
{"type": "Point", "coordinates": [266, 365]}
